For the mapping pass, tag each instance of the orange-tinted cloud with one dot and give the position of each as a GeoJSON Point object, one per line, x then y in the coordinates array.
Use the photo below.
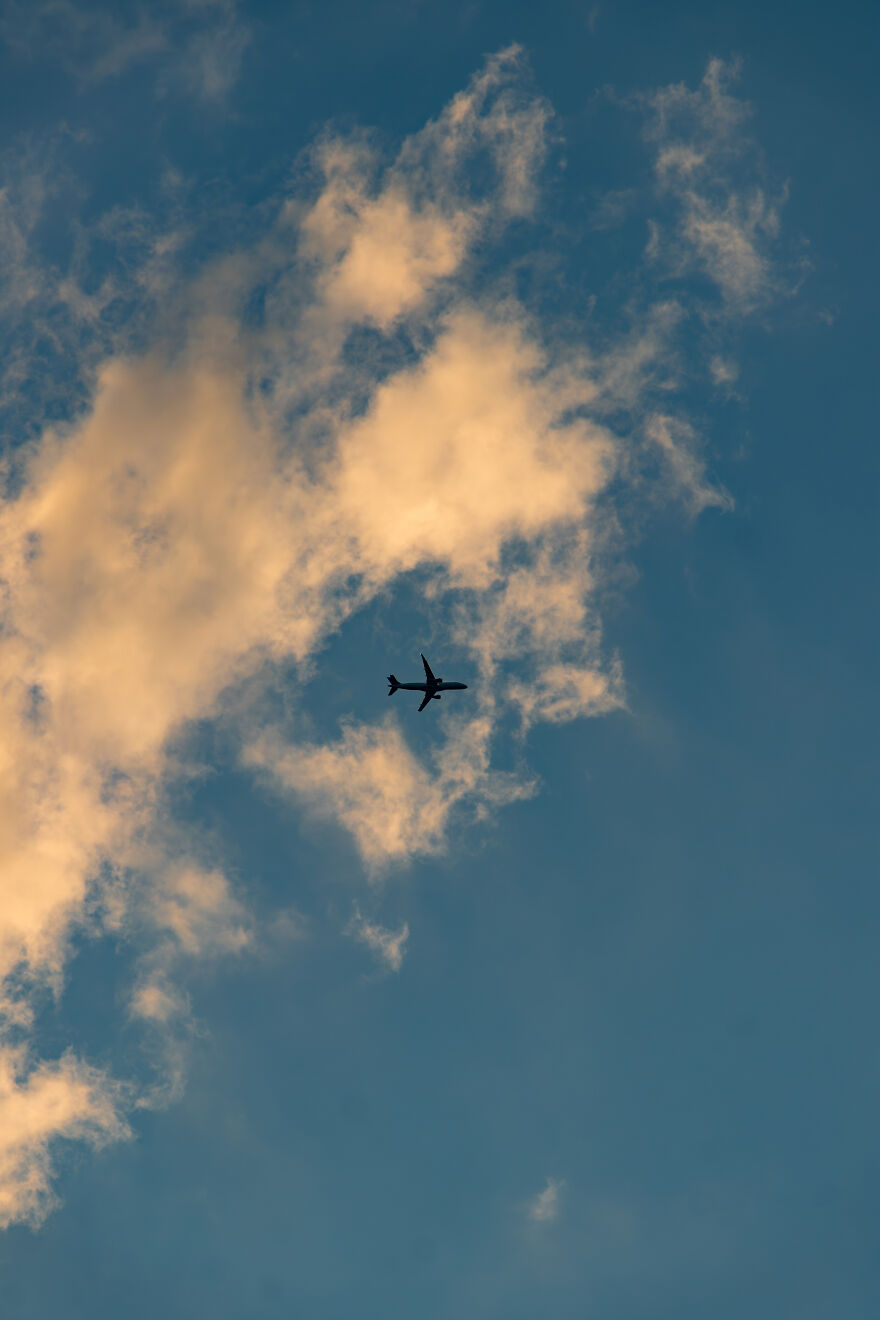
{"type": "Point", "coordinates": [219, 509]}
{"type": "Point", "coordinates": [39, 1106]}
{"type": "Point", "coordinates": [723, 227]}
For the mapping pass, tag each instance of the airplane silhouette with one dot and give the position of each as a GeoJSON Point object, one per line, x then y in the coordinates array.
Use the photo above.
{"type": "Point", "coordinates": [432, 687]}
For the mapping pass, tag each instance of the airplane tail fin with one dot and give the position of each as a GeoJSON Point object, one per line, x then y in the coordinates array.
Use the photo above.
{"type": "Point", "coordinates": [394, 685]}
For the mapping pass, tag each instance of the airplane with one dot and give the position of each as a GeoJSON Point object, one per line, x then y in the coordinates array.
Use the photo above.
{"type": "Point", "coordinates": [432, 687]}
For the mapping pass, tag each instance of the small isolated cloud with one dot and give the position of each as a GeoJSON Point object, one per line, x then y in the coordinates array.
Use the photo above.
{"type": "Point", "coordinates": [389, 946]}
{"type": "Point", "coordinates": [544, 1208]}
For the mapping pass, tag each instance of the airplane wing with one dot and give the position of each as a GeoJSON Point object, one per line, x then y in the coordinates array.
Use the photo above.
{"type": "Point", "coordinates": [425, 699]}
{"type": "Point", "coordinates": [428, 675]}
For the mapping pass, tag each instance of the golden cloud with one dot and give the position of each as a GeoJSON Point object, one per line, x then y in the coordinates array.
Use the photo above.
{"type": "Point", "coordinates": [220, 509]}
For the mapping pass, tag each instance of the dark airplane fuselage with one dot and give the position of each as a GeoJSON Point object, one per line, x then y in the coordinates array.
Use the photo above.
{"type": "Point", "coordinates": [431, 687]}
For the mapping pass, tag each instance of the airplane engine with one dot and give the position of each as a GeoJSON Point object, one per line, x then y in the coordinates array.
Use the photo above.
{"type": "Point", "coordinates": [436, 696]}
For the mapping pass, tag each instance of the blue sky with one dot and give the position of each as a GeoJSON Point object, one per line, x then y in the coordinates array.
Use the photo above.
{"type": "Point", "coordinates": [538, 338]}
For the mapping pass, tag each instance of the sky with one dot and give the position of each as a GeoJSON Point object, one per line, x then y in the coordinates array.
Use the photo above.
{"type": "Point", "coordinates": [540, 339]}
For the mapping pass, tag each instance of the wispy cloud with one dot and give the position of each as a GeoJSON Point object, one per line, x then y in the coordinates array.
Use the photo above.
{"type": "Point", "coordinates": [393, 805]}
{"type": "Point", "coordinates": [196, 45]}
{"type": "Point", "coordinates": [544, 1208]}
{"type": "Point", "coordinates": [389, 946]}
{"type": "Point", "coordinates": [237, 489]}
{"type": "Point", "coordinates": [210, 63]}
{"type": "Point", "coordinates": [725, 223]}
{"type": "Point", "coordinates": [676, 442]}
{"type": "Point", "coordinates": [724, 371]}
{"type": "Point", "coordinates": [91, 42]}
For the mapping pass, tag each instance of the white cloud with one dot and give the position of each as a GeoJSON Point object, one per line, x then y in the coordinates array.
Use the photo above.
{"type": "Point", "coordinates": [544, 1208]}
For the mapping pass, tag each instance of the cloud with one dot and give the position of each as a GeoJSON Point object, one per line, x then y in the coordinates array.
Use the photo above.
{"type": "Point", "coordinates": [235, 490]}
{"type": "Point", "coordinates": [544, 1208]}
{"type": "Point", "coordinates": [198, 46]}
{"type": "Point", "coordinates": [156, 1002]}
{"type": "Point", "coordinates": [394, 806]}
{"type": "Point", "coordinates": [66, 309]}
{"type": "Point", "coordinates": [496, 457]}
{"type": "Point", "coordinates": [381, 255]}
{"type": "Point", "coordinates": [709, 114]}
{"type": "Point", "coordinates": [723, 370]}
{"type": "Point", "coordinates": [212, 59]}
{"type": "Point", "coordinates": [728, 237]}
{"type": "Point", "coordinates": [567, 692]}
{"type": "Point", "coordinates": [389, 946]}
{"type": "Point", "coordinates": [383, 239]}
{"type": "Point", "coordinates": [122, 618]}
{"type": "Point", "coordinates": [91, 43]}
{"type": "Point", "coordinates": [199, 909]}
{"type": "Point", "coordinates": [725, 224]}
{"type": "Point", "coordinates": [39, 1106]}
{"type": "Point", "coordinates": [21, 204]}
{"type": "Point", "coordinates": [169, 543]}
{"type": "Point", "coordinates": [676, 442]}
